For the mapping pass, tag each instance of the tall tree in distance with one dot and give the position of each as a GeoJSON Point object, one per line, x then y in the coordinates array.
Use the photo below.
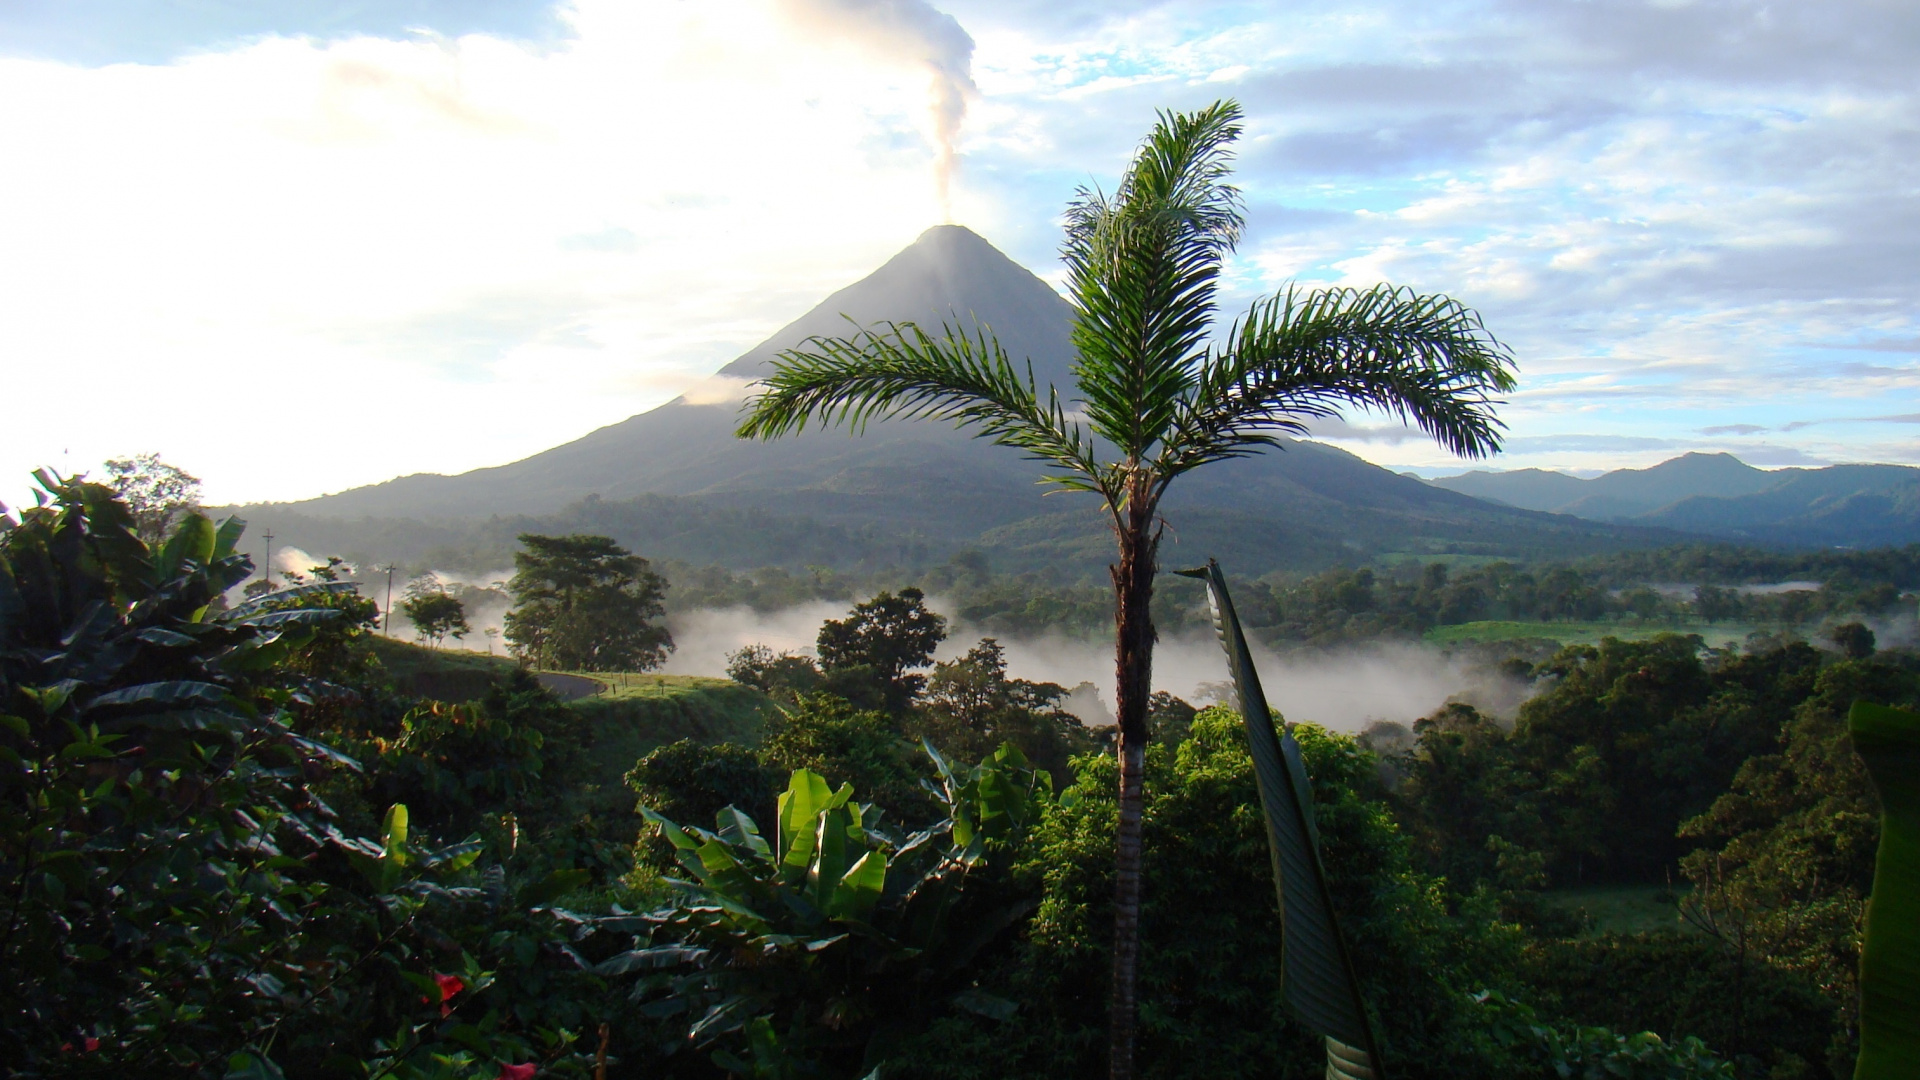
{"type": "Point", "coordinates": [880, 643]}
{"type": "Point", "coordinates": [159, 494]}
{"type": "Point", "coordinates": [584, 603]}
{"type": "Point", "coordinates": [1158, 399]}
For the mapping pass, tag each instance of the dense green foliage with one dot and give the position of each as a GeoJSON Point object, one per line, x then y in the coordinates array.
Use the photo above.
{"type": "Point", "coordinates": [239, 840]}
{"type": "Point", "coordinates": [827, 938]}
{"type": "Point", "coordinates": [1640, 759]}
{"type": "Point", "coordinates": [182, 899]}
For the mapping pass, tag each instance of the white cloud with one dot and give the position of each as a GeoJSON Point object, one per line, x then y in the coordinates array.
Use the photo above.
{"type": "Point", "coordinates": [217, 252]}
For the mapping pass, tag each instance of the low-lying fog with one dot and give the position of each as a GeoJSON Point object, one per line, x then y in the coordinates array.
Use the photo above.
{"type": "Point", "coordinates": [1342, 689]}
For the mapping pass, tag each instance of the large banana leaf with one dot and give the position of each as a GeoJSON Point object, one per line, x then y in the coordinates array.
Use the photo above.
{"type": "Point", "coordinates": [1888, 740]}
{"type": "Point", "coordinates": [1316, 971]}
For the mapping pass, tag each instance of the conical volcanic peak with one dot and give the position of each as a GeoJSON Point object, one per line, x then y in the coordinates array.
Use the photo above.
{"type": "Point", "coordinates": [916, 488]}
{"type": "Point", "coordinates": [950, 274]}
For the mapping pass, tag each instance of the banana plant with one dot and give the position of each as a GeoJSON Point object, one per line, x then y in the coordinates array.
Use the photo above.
{"type": "Point", "coordinates": [1316, 970]}
{"type": "Point", "coordinates": [828, 915]}
{"type": "Point", "coordinates": [1888, 740]}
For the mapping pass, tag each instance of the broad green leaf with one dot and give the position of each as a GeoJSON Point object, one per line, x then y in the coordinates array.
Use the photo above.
{"type": "Point", "coordinates": [323, 751]}
{"type": "Point", "coordinates": [394, 831]}
{"type": "Point", "coordinates": [675, 835]}
{"type": "Point", "coordinates": [281, 597]}
{"type": "Point", "coordinates": [831, 857]}
{"type": "Point", "coordinates": [192, 542]}
{"type": "Point", "coordinates": [736, 827]}
{"type": "Point", "coordinates": [860, 888]}
{"type": "Point", "coordinates": [714, 858]}
{"type": "Point", "coordinates": [454, 857]}
{"type": "Point", "coordinates": [1316, 971]}
{"type": "Point", "coordinates": [228, 536]}
{"type": "Point", "coordinates": [171, 639]}
{"type": "Point", "coordinates": [720, 1019]}
{"type": "Point", "coordinates": [658, 956]}
{"type": "Point", "coordinates": [1888, 740]}
{"type": "Point", "coordinates": [161, 695]}
{"type": "Point", "coordinates": [807, 794]}
{"type": "Point", "coordinates": [270, 620]}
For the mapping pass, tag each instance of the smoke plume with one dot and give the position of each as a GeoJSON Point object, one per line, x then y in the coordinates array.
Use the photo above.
{"type": "Point", "coordinates": [908, 32]}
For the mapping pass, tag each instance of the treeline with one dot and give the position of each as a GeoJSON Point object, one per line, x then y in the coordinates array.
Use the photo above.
{"type": "Point", "coordinates": [1363, 604]}
{"type": "Point", "coordinates": [1349, 605]}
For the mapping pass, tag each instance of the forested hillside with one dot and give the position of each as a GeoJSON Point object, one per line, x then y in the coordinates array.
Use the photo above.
{"type": "Point", "coordinates": [1720, 495]}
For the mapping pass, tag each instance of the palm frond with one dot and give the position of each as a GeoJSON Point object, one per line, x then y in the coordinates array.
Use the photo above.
{"type": "Point", "coordinates": [899, 371]}
{"type": "Point", "coordinates": [1142, 268]}
{"type": "Point", "coordinates": [1302, 355]}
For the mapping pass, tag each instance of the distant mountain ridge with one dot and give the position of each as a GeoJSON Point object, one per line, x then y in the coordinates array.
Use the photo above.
{"type": "Point", "coordinates": [1719, 495]}
{"type": "Point", "coordinates": [667, 479]}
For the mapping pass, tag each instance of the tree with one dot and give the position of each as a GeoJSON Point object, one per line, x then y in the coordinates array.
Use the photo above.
{"type": "Point", "coordinates": [435, 614]}
{"type": "Point", "coordinates": [1853, 639]}
{"type": "Point", "coordinates": [1157, 398]}
{"type": "Point", "coordinates": [777, 674]}
{"type": "Point", "coordinates": [584, 603]}
{"type": "Point", "coordinates": [880, 643]}
{"type": "Point", "coordinates": [158, 494]}
{"type": "Point", "coordinates": [971, 707]}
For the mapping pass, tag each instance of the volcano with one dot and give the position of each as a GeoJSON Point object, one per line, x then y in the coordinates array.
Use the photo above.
{"type": "Point", "coordinates": [940, 486]}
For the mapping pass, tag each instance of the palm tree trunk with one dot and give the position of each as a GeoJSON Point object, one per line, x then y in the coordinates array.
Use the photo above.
{"type": "Point", "coordinates": [1133, 662]}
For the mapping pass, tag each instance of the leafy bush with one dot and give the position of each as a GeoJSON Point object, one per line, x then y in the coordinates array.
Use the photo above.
{"type": "Point", "coordinates": [819, 949]}
{"type": "Point", "coordinates": [1571, 1052]}
{"type": "Point", "coordinates": [182, 902]}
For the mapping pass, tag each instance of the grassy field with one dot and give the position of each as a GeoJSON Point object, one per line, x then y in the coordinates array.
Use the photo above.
{"type": "Point", "coordinates": [632, 712]}
{"type": "Point", "coordinates": [1624, 909]}
{"type": "Point", "coordinates": [640, 712]}
{"type": "Point", "coordinates": [1571, 633]}
{"type": "Point", "coordinates": [445, 674]}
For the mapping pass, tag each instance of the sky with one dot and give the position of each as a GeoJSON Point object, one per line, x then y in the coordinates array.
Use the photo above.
{"type": "Point", "coordinates": [299, 246]}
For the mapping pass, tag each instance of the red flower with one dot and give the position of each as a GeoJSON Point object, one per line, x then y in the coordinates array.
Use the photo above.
{"type": "Point", "coordinates": [92, 1044]}
{"type": "Point", "coordinates": [517, 1072]}
{"type": "Point", "coordinates": [449, 986]}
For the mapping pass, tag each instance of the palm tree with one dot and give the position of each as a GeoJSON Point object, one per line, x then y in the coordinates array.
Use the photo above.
{"type": "Point", "coordinates": [1157, 399]}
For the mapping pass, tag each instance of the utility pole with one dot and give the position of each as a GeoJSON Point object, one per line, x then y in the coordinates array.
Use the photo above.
{"type": "Point", "coordinates": [386, 613]}
{"type": "Point", "coordinates": [266, 561]}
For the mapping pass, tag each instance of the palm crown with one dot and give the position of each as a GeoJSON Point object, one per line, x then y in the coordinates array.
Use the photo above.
{"type": "Point", "coordinates": [1143, 267]}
